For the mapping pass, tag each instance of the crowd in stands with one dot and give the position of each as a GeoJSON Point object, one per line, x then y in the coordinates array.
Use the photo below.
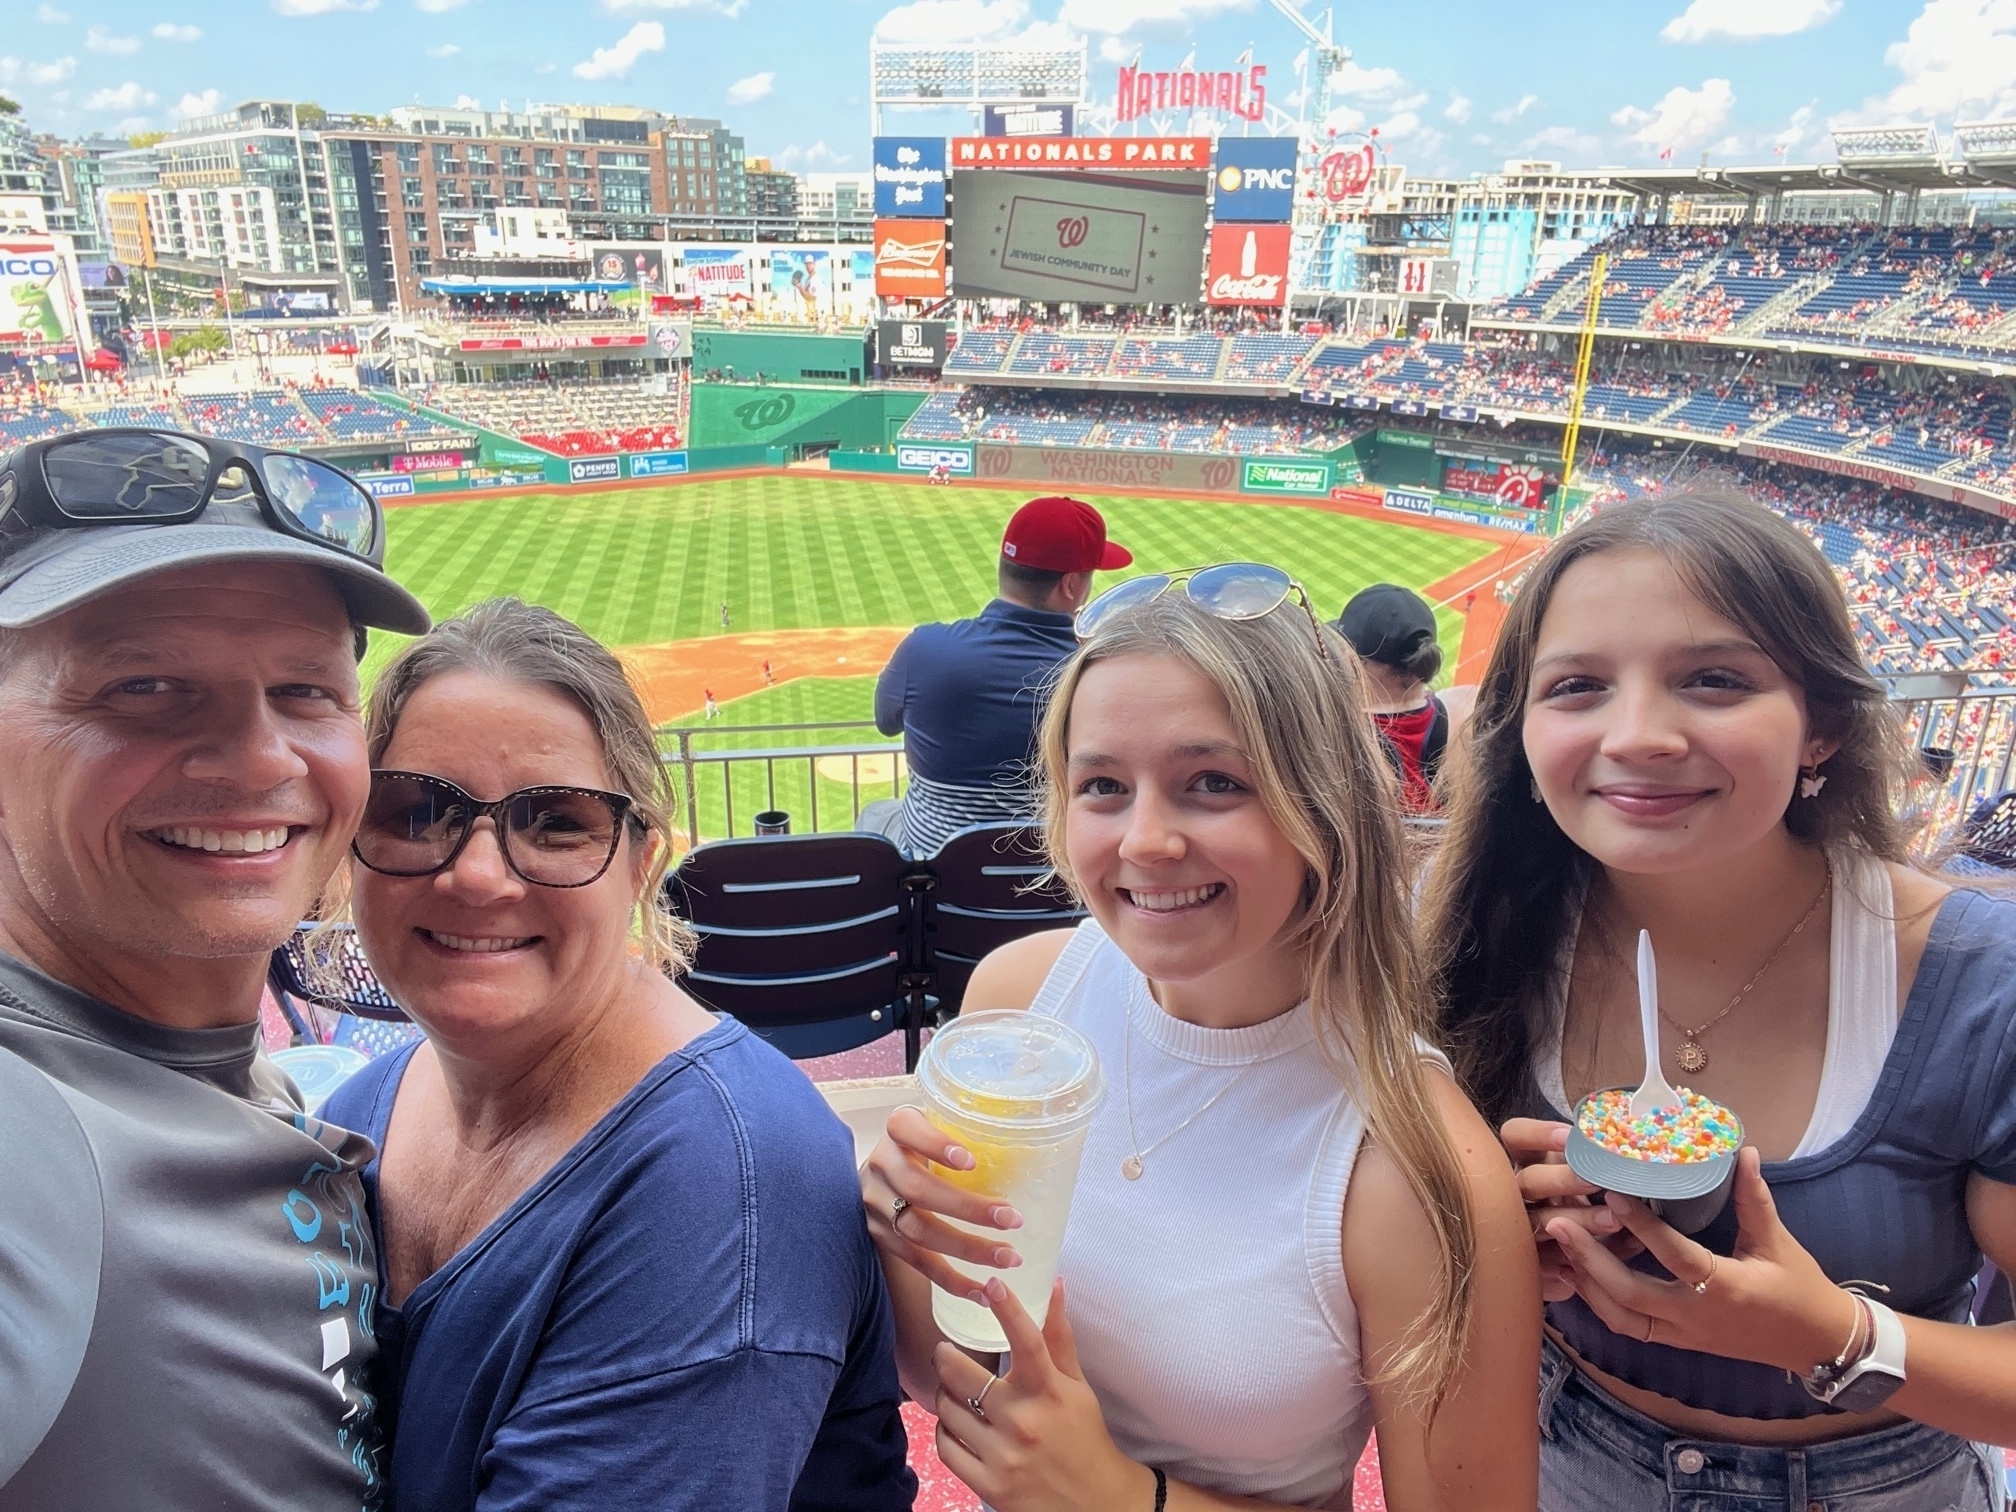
{"type": "Point", "coordinates": [574, 420]}
{"type": "Point", "coordinates": [297, 415]}
{"type": "Point", "coordinates": [1931, 586]}
{"type": "Point", "coordinates": [1169, 422]}
{"type": "Point", "coordinates": [1939, 288]}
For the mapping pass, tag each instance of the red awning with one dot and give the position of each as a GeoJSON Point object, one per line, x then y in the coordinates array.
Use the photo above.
{"type": "Point", "coordinates": [102, 361]}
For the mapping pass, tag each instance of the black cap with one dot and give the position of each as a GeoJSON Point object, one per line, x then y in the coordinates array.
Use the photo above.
{"type": "Point", "coordinates": [1387, 623]}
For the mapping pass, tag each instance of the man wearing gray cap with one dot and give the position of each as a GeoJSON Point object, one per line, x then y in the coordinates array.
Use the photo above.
{"type": "Point", "coordinates": [186, 1275]}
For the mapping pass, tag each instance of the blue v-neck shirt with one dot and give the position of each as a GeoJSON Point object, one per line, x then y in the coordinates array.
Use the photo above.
{"type": "Point", "coordinates": [685, 1312]}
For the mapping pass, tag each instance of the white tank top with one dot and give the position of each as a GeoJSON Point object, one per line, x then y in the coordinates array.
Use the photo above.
{"type": "Point", "coordinates": [1208, 1297]}
{"type": "Point", "coordinates": [1862, 1005]}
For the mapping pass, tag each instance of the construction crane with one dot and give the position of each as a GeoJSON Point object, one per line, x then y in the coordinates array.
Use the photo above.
{"type": "Point", "coordinates": [1330, 57]}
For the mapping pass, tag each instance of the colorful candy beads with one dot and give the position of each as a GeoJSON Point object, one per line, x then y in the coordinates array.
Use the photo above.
{"type": "Point", "coordinates": [1701, 1130]}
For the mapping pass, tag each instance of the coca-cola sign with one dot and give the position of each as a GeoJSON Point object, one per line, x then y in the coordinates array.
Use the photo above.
{"type": "Point", "coordinates": [1248, 266]}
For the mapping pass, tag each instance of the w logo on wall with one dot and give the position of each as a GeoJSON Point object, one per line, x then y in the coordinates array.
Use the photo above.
{"type": "Point", "coordinates": [1072, 230]}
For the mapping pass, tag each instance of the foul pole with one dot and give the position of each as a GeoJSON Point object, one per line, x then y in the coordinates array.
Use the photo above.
{"type": "Point", "coordinates": [1597, 272]}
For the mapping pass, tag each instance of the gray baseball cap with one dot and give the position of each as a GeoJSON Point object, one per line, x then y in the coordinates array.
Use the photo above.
{"type": "Point", "coordinates": [46, 569]}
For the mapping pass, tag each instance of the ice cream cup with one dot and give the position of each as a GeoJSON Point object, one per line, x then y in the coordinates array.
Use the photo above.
{"type": "Point", "coordinates": [1687, 1194]}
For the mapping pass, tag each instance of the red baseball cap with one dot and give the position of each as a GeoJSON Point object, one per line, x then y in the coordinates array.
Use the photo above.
{"type": "Point", "coordinates": [1056, 534]}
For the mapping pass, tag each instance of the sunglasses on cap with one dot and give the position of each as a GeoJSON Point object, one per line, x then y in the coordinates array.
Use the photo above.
{"type": "Point", "coordinates": [1227, 591]}
{"type": "Point", "coordinates": [416, 825]}
{"type": "Point", "coordinates": [133, 476]}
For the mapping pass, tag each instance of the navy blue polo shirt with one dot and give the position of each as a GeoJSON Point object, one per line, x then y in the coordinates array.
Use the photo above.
{"type": "Point", "coordinates": [966, 697]}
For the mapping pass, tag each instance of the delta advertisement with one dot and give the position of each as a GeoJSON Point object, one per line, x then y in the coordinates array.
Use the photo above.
{"type": "Point", "coordinates": [1512, 484]}
{"type": "Point", "coordinates": [1255, 180]}
{"type": "Point", "coordinates": [1249, 266]}
{"type": "Point", "coordinates": [910, 176]}
{"type": "Point", "coordinates": [801, 283]}
{"type": "Point", "coordinates": [718, 274]}
{"type": "Point", "coordinates": [910, 259]}
{"type": "Point", "coordinates": [39, 296]}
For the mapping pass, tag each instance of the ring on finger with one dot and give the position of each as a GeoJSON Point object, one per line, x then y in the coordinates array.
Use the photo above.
{"type": "Point", "coordinates": [1650, 1324]}
{"type": "Point", "coordinates": [977, 1403]}
{"type": "Point", "coordinates": [897, 1209]}
{"type": "Point", "coordinates": [1701, 1286]}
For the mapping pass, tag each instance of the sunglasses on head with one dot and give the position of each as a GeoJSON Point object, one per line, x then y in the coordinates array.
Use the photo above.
{"type": "Point", "coordinates": [1227, 591]}
{"type": "Point", "coordinates": [131, 476]}
{"type": "Point", "coordinates": [416, 825]}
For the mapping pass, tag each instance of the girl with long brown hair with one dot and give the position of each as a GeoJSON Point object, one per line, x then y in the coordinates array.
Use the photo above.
{"type": "Point", "coordinates": [1289, 1226]}
{"type": "Point", "coordinates": [1677, 733]}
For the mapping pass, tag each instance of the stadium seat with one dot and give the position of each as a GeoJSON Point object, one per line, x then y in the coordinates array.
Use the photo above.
{"type": "Point", "coordinates": [804, 938]}
{"type": "Point", "coordinates": [323, 964]}
{"type": "Point", "coordinates": [990, 885]}
{"type": "Point", "coordinates": [1990, 832]}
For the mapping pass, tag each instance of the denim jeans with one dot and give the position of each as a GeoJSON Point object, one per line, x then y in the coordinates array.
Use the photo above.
{"type": "Point", "coordinates": [1597, 1455]}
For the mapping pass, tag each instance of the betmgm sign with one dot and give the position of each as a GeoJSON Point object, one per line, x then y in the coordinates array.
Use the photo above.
{"type": "Point", "coordinates": [910, 343]}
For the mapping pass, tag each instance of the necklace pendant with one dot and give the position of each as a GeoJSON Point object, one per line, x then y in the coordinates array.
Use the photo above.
{"type": "Point", "coordinates": [1691, 1058]}
{"type": "Point", "coordinates": [1132, 1168]}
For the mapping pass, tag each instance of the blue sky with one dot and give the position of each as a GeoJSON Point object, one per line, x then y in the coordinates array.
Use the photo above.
{"type": "Point", "coordinates": [1454, 85]}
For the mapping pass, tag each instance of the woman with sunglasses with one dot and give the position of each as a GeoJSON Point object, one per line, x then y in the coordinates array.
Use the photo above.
{"type": "Point", "coordinates": [1289, 1227]}
{"type": "Point", "coordinates": [621, 1249]}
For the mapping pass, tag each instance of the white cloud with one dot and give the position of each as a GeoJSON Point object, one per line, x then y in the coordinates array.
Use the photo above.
{"type": "Point", "coordinates": [1118, 50]}
{"type": "Point", "coordinates": [748, 91]}
{"type": "Point", "coordinates": [1514, 112]}
{"type": "Point", "coordinates": [468, 102]}
{"type": "Point", "coordinates": [1564, 140]}
{"type": "Point", "coordinates": [321, 7]}
{"type": "Point", "coordinates": [617, 59]}
{"type": "Point", "coordinates": [48, 15]}
{"type": "Point", "coordinates": [127, 96]}
{"type": "Point", "coordinates": [927, 21]}
{"type": "Point", "coordinates": [1958, 60]}
{"type": "Point", "coordinates": [445, 50]}
{"type": "Point", "coordinates": [437, 6]}
{"type": "Point", "coordinates": [1357, 83]}
{"type": "Point", "coordinates": [814, 159]}
{"type": "Point", "coordinates": [1457, 110]}
{"type": "Point", "coordinates": [99, 40]}
{"type": "Point", "coordinates": [1798, 131]}
{"type": "Point", "coordinates": [1683, 117]}
{"type": "Point", "coordinates": [1743, 20]}
{"type": "Point", "coordinates": [202, 104]}
{"type": "Point", "coordinates": [170, 31]}
{"type": "Point", "coordinates": [15, 71]}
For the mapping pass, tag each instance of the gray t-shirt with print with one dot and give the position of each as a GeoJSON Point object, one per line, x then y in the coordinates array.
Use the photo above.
{"type": "Point", "coordinates": [186, 1271]}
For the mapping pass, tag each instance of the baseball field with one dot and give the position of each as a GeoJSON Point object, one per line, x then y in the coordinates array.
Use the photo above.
{"type": "Point", "coordinates": [781, 595]}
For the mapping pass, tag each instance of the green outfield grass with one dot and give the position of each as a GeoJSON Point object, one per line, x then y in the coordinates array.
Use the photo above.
{"type": "Point", "coordinates": [724, 792]}
{"type": "Point", "coordinates": [789, 552]}
{"type": "Point", "coordinates": [654, 564]}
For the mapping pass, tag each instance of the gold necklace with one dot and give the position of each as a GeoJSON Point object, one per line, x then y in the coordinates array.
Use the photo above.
{"type": "Point", "coordinates": [1135, 1164]}
{"type": "Point", "coordinates": [1690, 1055]}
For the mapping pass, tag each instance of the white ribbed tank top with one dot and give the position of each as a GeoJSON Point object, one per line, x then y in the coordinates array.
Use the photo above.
{"type": "Point", "coordinates": [1208, 1297]}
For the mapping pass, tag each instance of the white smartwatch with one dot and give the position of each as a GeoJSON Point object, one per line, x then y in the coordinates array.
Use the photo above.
{"type": "Point", "coordinates": [1874, 1378]}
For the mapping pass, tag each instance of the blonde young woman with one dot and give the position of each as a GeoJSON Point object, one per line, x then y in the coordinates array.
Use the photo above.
{"type": "Point", "coordinates": [1289, 1227]}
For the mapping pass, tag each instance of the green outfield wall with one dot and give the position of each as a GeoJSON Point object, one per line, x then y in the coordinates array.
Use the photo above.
{"type": "Point", "coordinates": [781, 356]}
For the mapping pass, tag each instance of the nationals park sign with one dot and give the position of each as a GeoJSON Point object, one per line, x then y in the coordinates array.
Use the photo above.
{"type": "Point", "coordinates": [1082, 152]}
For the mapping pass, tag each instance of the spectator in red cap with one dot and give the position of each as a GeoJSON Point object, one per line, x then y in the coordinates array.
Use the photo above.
{"type": "Point", "coordinates": [967, 696]}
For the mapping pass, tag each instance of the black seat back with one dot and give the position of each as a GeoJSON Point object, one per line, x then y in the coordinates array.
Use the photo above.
{"type": "Point", "coordinates": [1991, 832]}
{"type": "Point", "coordinates": [804, 938]}
{"type": "Point", "coordinates": [991, 888]}
{"type": "Point", "coordinates": [323, 963]}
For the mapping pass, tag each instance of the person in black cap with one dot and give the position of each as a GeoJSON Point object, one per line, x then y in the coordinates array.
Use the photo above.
{"type": "Point", "coordinates": [1393, 631]}
{"type": "Point", "coordinates": [186, 1275]}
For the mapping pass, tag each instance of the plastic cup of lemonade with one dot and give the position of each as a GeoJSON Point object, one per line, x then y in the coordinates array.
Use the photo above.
{"type": "Point", "coordinates": [1682, 1169]}
{"type": "Point", "coordinates": [1019, 1090]}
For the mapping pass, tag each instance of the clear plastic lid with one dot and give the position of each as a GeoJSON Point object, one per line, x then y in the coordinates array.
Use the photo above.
{"type": "Point", "coordinates": [1010, 1069]}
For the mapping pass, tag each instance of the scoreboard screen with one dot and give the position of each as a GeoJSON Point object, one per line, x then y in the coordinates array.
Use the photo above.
{"type": "Point", "coordinates": [1092, 238]}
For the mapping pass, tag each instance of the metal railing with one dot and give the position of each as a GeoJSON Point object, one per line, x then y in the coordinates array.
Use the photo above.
{"type": "Point", "coordinates": [1978, 729]}
{"type": "Point", "coordinates": [722, 787]}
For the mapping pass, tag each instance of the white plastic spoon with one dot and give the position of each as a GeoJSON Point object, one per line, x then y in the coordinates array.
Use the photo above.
{"type": "Point", "coordinates": [1653, 1095]}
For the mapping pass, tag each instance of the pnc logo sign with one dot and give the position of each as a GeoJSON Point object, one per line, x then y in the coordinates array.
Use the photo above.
{"type": "Point", "coordinates": [1071, 230]}
{"type": "Point", "coordinates": [1232, 178]}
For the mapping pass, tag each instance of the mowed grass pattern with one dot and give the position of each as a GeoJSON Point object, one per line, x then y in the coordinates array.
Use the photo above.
{"type": "Point", "coordinates": [647, 565]}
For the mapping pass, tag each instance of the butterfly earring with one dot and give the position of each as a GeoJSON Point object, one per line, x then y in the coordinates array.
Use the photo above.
{"type": "Point", "coordinates": [1810, 781]}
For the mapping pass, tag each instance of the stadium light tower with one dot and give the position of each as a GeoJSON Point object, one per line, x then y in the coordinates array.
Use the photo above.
{"type": "Point", "coordinates": [972, 75]}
